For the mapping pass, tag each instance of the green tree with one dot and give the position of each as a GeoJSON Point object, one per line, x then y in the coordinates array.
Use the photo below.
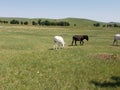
{"type": "Point", "coordinates": [25, 23]}
{"type": "Point", "coordinates": [34, 23]}
{"type": "Point", "coordinates": [14, 21]}
{"type": "Point", "coordinates": [39, 22]}
{"type": "Point", "coordinates": [96, 24]}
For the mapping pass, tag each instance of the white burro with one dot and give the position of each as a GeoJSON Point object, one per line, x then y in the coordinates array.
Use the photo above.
{"type": "Point", "coordinates": [116, 38]}
{"type": "Point", "coordinates": [58, 42]}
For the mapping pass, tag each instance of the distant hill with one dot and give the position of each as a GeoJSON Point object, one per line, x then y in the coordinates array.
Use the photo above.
{"type": "Point", "coordinates": [80, 22]}
{"type": "Point", "coordinates": [114, 23]}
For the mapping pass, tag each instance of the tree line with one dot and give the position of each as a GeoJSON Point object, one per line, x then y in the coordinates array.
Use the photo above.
{"type": "Point", "coordinates": [106, 25]}
{"type": "Point", "coordinates": [38, 22]}
{"type": "Point", "coordinates": [3, 22]}
{"type": "Point", "coordinates": [50, 23]}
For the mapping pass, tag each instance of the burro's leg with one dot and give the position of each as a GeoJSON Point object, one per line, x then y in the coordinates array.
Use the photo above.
{"type": "Point", "coordinates": [72, 42]}
{"type": "Point", "coordinates": [55, 46]}
{"type": "Point", "coordinates": [114, 42]}
{"type": "Point", "coordinates": [75, 42]}
{"type": "Point", "coordinates": [81, 42]}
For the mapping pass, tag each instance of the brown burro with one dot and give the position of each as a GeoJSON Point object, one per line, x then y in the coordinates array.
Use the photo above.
{"type": "Point", "coordinates": [80, 38]}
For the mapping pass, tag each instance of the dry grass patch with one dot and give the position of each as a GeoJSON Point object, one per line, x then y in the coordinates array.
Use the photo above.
{"type": "Point", "coordinates": [105, 56]}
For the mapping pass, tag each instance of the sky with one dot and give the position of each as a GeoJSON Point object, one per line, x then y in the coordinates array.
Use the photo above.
{"type": "Point", "coordinates": [98, 10]}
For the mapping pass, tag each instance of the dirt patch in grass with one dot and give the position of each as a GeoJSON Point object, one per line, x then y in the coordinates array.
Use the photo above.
{"type": "Point", "coordinates": [107, 56]}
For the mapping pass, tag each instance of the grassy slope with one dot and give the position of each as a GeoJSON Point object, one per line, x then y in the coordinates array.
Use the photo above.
{"type": "Point", "coordinates": [80, 22]}
{"type": "Point", "coordinates": [28, 62]}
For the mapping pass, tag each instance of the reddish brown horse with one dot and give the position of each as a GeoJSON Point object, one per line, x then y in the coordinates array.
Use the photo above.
{"type": "Point", "coordinates": [79, 38]}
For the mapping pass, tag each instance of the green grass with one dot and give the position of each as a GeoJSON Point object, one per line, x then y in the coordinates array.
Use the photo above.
{"type": "Point", "coordinates": [27, 61]}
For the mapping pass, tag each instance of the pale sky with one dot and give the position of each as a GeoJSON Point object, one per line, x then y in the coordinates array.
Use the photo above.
{"type": "Point", "coordinates": [99, 10]}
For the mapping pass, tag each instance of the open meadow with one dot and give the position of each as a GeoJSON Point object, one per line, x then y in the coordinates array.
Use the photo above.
{"type": "Point", "coordinates": [28, 61]}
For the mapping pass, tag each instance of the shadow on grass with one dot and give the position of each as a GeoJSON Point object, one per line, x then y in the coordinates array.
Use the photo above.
{"type": "Point", "coordinates": [54, 49]}
{"type": "Point", "coordinates": [50, 49]}
{"type": "Point", "coordinates": [75, 45]}
{"type": "Point", "coordinates": [70, 45]}
{"type": "Point", "coordinates": [115, 83]}
{"type": "Point", "coordinates": [115, 45]}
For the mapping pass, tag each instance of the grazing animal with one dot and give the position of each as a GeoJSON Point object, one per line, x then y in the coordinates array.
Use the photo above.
{"type": "Point", "coordinates": [58, 42]}
{"type": "Point", "coordinates": [116, 38]}
{"type": "Point", "coordinates": [79, 38]}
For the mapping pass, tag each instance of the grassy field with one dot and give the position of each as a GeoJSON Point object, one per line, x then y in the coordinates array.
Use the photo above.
{"type": "Point", "coordinates": [27, 61]}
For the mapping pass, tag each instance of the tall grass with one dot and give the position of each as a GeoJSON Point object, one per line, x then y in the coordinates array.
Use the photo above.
{"type": "Point", "coordinates": [27, 61]}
